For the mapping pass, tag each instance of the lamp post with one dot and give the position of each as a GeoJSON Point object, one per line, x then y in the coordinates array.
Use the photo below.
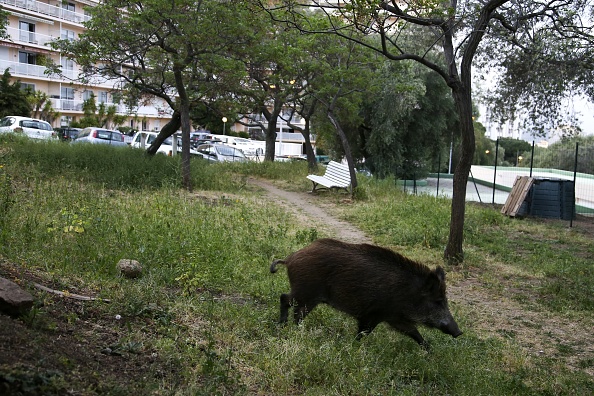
{"type": "Point", "coordinates": [224, 119]}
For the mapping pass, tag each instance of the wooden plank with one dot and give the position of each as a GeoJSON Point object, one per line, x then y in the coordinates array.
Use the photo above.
{"type": "Point", "coordinates": [516, 197]}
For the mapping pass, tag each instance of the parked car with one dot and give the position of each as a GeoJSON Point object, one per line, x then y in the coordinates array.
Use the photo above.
{"type": "Point", "coordinates": [198, 137]}
{"type": "Point", "coordinates": [67, 133]}
{"type": "Point", "coordinates": [31, 127]}
{"type": "Point", "coordinates": [198, 142]}
{"type": "Point", "coordinates": [97, 135]}
{"type": "Point", "coordinates": [165, 148]}
{"type": "Point", "coordinates": [221, 153]}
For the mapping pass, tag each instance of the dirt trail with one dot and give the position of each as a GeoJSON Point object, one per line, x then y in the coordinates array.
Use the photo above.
{"type": "Point", "coordinates": [492, 313]}
{"type": "Point", "coordinates": [307, 210]}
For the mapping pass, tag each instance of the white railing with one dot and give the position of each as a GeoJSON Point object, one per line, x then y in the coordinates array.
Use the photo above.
{"type": "Point", "coordinates": [23, 69]}
{"type": "Point", "coordinates": [24, 36]}
{"type": "Point", "coordinates": [46, 9]}
{"type": "Point", "coordinates": [77, 105]}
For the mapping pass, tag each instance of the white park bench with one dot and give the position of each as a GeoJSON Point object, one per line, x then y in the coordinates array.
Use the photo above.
{"type": "Point", "coordinates": [336, 176]}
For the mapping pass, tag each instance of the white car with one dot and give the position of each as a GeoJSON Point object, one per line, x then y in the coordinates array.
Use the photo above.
{"type": "Point", "coordinates": [221, 153]}
{"type": "Point", "coordinates": [165, 148]}
{"type": "Point", "coordinates": [31, 127]}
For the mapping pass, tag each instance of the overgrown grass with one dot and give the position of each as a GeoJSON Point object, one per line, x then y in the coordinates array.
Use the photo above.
{"type": "Point", "coordinates": [206, 304]}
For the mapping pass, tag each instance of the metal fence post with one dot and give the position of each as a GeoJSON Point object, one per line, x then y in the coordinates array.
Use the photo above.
{"type": "Point", "coordinates": [532, 159]}
{"type": "Point", "coordinates": [495, 169]}
{"type": "Point", "coordinates": [575, 163]}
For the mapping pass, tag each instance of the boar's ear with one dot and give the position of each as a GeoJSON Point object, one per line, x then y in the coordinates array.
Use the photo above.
{"type": "Point", "coordinates": [440, 273]}
{"type": "Point", "coordinates": [436, 281]}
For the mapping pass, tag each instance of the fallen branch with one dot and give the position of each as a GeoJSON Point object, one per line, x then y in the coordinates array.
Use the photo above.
{"type": "Point", "coordinates": [68, 294]}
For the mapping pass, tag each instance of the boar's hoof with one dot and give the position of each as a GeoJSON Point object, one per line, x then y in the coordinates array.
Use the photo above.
{"type": "Point", "coordinates": [425, 345]}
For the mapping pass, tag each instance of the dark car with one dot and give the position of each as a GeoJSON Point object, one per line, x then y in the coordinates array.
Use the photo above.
{"type": "Point", "coordinates": [67, 134]}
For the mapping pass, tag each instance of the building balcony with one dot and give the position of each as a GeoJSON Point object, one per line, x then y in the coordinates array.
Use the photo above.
{"type": "Point", "coordinates": [46, 9]}
{"type": "Point", "coordinates": [70, 105]}
{"type": "Point", "coordinates": [23, 69]}
{"type": "Point", "coordinates": [25, 37]}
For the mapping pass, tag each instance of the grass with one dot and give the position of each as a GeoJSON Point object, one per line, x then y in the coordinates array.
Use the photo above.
{"type": "Point", "coordinates": [201, 319]}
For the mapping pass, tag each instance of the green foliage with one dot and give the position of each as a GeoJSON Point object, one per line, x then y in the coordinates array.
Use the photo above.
{"type": "Point", "coordinates": [3, 22]}
{"type": "Point", "coordinates": [13, 100]}
{"type": "Point", "coordinates": [562, 155]}
{"type": "Point", "coordinates": [42, 106]}
{"type": "Point", "coordinates": [408, 122]}
{"type": "Point", "coordinates": [514, 148]}
{"type": "Point", "coordinates": [102, 116]}
{"type": "Point", "coordinates": [485, 147]}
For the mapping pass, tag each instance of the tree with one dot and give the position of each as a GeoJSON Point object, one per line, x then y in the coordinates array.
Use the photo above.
{"type": "Point", "coordinates": [513, 148]}
{"type": "Point", "coordinates": [42, 107]}
{"type": "Point", "coordinates": [455, 31]}
{"type": "Point", "coordinates": [273, 59]}
{"type": "Point", "coordinates": [167, 50]}
{"type": "Point", "coordinates": [539, 56]}
{"type": "Point", "coordinates": [3, 23]}
{"type": "Point", "coordinates": [408, 121]}
{"type": "Point", "coordinates": [13, 100]}
{"type": "Point", "coordinates": [99, 116]}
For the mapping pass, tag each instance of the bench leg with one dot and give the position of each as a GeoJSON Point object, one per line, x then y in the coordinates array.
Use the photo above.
{"type": "Point", "coordinates": [313, 190]}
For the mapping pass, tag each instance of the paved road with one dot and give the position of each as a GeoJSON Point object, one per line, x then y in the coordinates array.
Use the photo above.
{"type": "Point", "coordinates": [474, 192]}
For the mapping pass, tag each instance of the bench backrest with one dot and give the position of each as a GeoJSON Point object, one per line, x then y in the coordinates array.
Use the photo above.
{"type": "Point", "coordinates": [338, 172]}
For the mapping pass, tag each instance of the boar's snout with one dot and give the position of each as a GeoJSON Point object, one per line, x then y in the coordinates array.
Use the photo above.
{"type": "Point", "coordinates": [451, 328]}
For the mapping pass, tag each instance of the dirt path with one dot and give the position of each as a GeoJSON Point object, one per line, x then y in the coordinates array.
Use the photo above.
{"type": "Point", "coordinates": [540, 333]}
{"type": "Point", "coordinates": [308, 212]}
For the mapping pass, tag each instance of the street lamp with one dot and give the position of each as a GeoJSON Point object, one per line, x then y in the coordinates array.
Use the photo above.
{"type": "Point", "coordinates": [224, 119]}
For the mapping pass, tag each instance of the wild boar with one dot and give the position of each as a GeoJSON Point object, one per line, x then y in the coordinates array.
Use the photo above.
{"type": "Point", "coordinates": [370, 283]}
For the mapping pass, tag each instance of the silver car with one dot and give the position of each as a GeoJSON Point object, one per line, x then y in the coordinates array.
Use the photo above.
{"type": "Point", "coordinates": [31, 127]}
{"type": "Point", "coordinates": [100, 136]}
{"type": "Point", "coordinates": [221, 153]}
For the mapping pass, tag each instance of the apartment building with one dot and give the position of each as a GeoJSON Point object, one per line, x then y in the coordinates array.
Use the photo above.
{"type": "Point", "coordinates": [31, 26]}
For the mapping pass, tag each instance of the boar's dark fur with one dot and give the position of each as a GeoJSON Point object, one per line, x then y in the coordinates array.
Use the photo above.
{"type": "Point", "coordinates": [370, 283]}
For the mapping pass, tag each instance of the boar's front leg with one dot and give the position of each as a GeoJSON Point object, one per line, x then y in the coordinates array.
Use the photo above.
{"type": "Point", "coordinates": [411, 331]}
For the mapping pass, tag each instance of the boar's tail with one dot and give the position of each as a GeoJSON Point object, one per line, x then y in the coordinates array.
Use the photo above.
{"type": "Point", "coordinates": [274, 264]}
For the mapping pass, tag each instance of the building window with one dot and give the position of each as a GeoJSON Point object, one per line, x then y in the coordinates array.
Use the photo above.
{"type": "Point", "coordinates": [67, 64]}
{"type": "Point", "coordinates": [27, 57]}
{"type": "Point", "coordinates": [68, 6]}
{"type": "Point", "coordinates": [67, 35]}
{"type": "Point", "coordinates": [102, 97]}
{"type": "Point", "coordinates": [27, 32]}
{"type": "Point", "coordinates": [65, 121]}
{"type": "Point", "coordinates": [67, 98]}
{"type": "Point", "coordinates": [27, 86]}
{"type": "Point", "coordinates": [145, 125]}
{"type": "Point", "coordinates": [87, 94]}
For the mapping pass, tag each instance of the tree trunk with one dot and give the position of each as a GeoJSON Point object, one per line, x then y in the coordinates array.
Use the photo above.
{"type": "Point", "coordinates": [168, 129]}
{"type": "Point", "coordinates": [347, 150]}
{"type": "Point", "coordinates": [312, 164]}
{"type": "Point", "coordinates": [454, 253]}
{"type": "Point", "coordinates": [272, 118]}
{"type": "Point", "coordinates": [184, 108]}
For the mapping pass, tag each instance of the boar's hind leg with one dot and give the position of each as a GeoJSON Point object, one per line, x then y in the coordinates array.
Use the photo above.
{"type": "Point", "coordinates": [285, 303]}
{"type": "Point", "coordinates": [300, 310]}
